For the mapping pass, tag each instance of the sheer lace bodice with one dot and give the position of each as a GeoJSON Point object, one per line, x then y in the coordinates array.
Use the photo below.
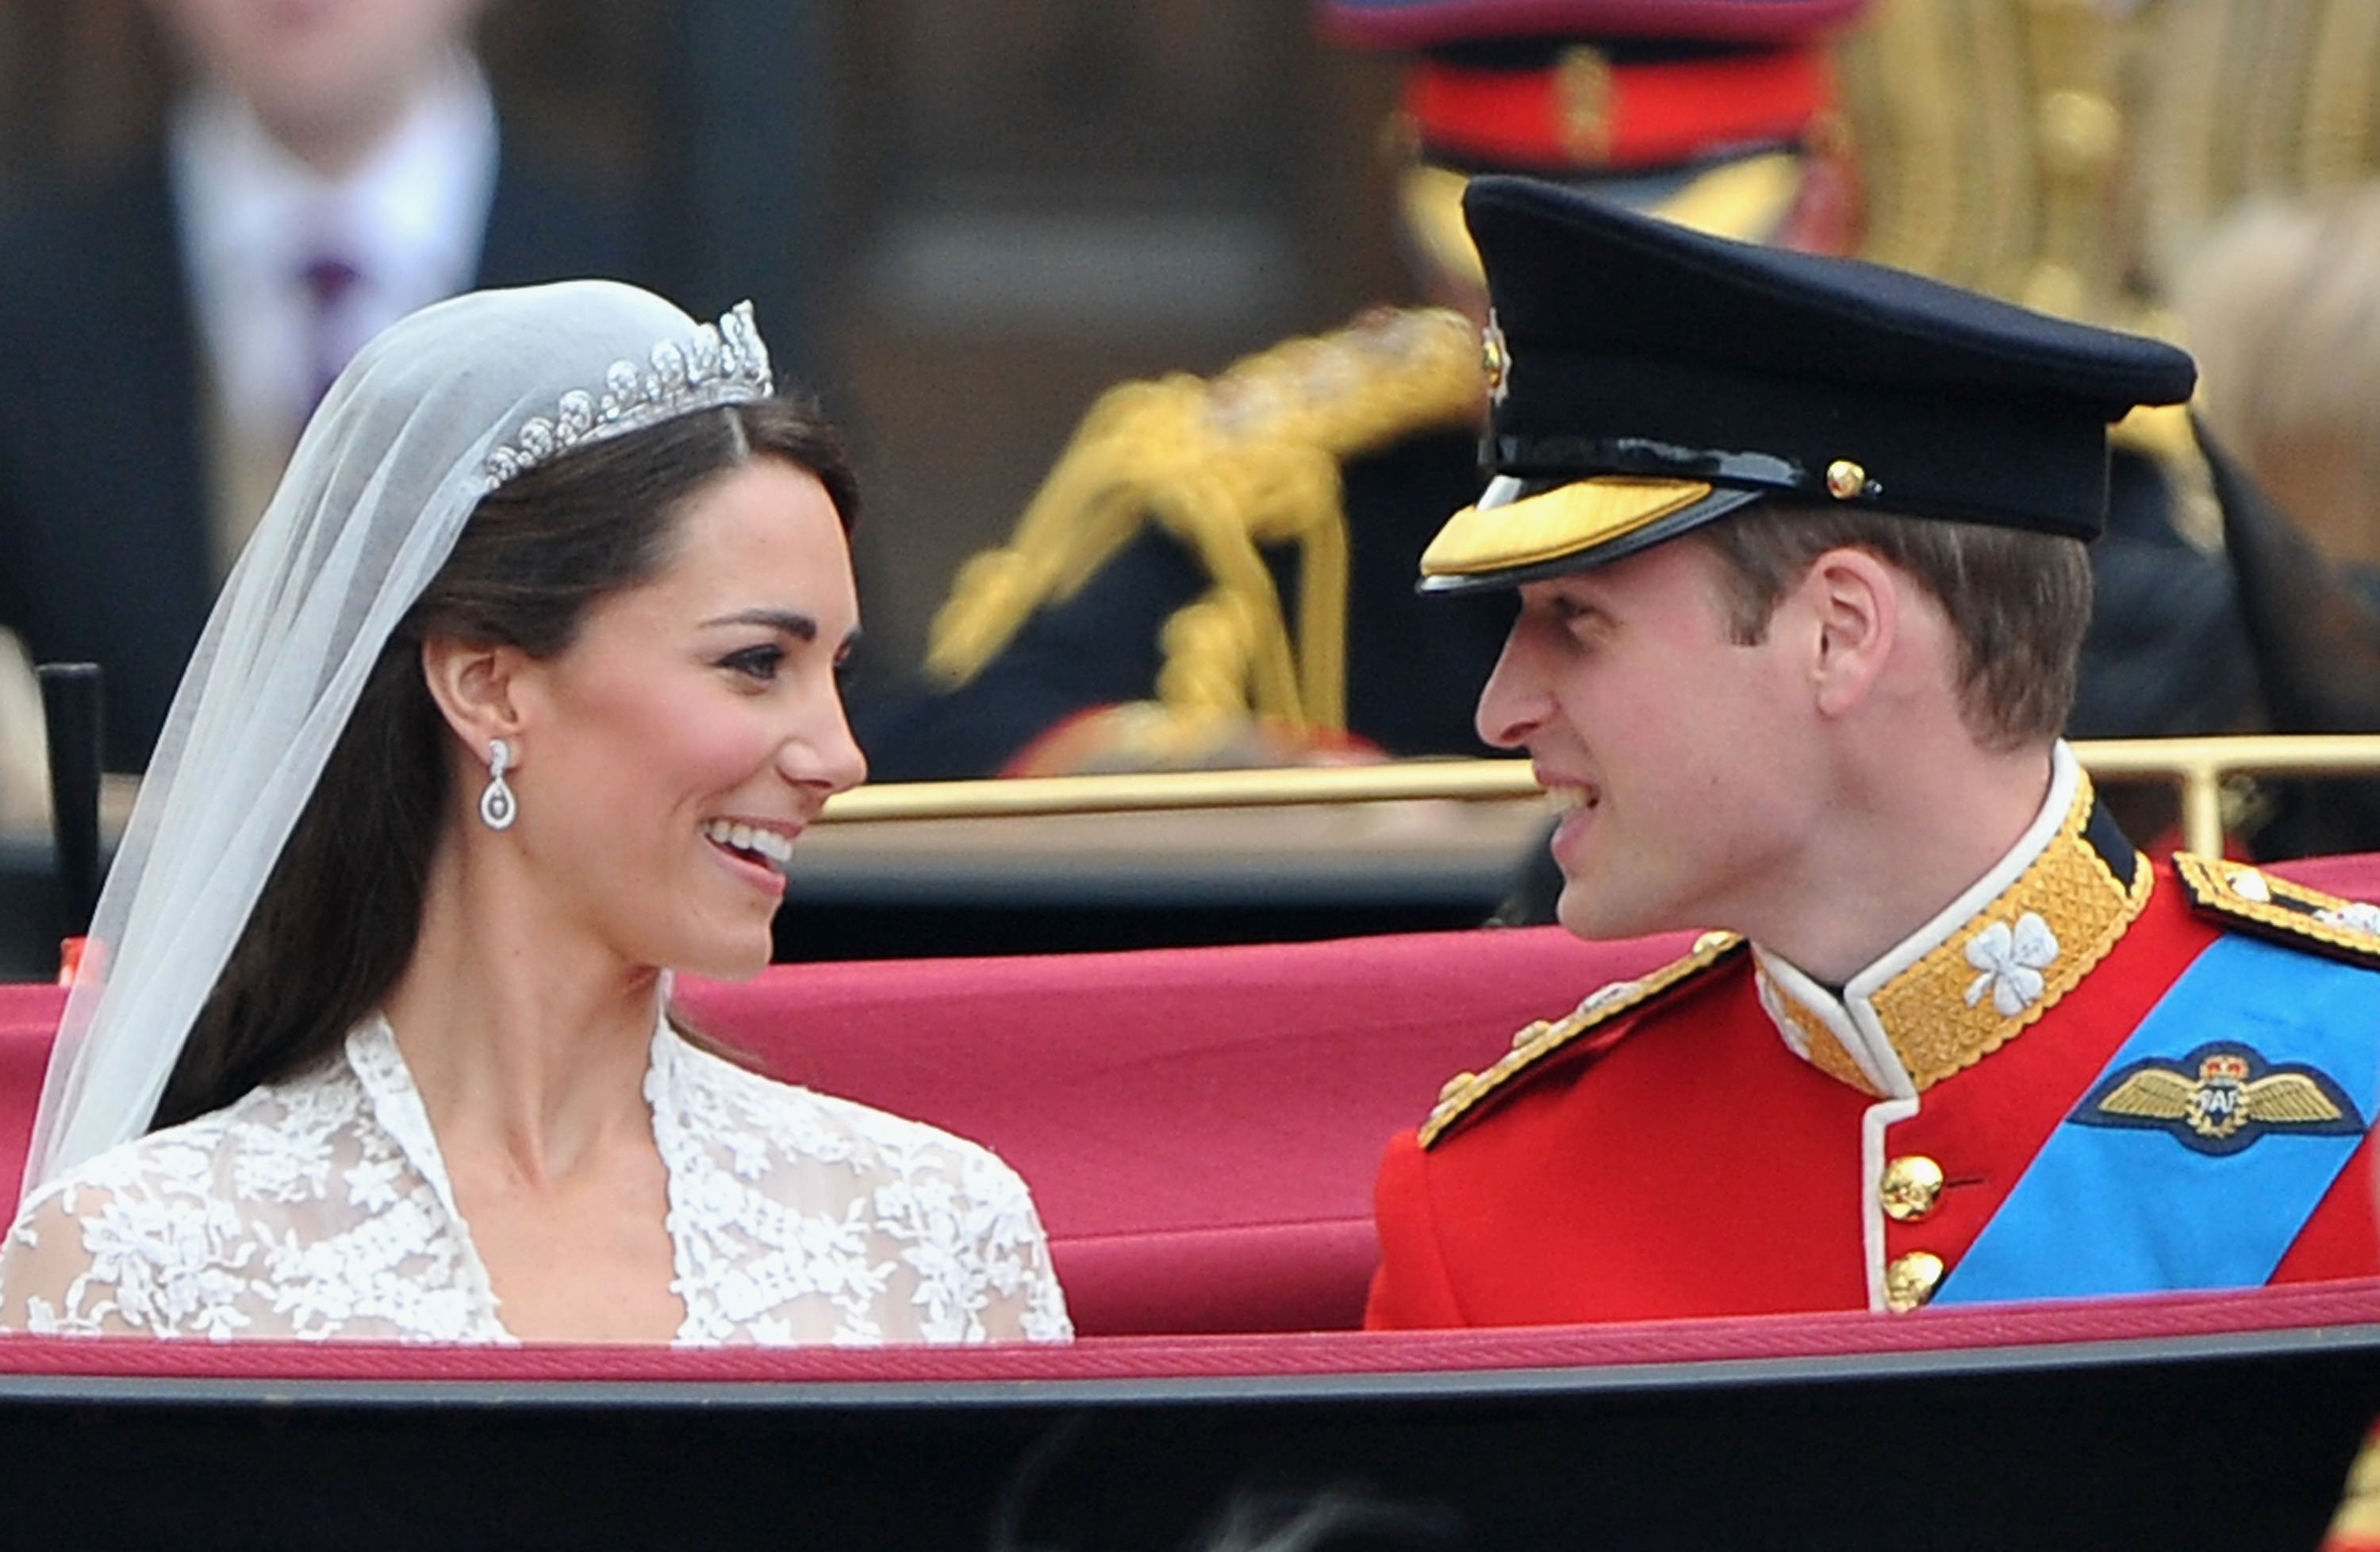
{"type": "Point", "coordinates": [319, 1207]}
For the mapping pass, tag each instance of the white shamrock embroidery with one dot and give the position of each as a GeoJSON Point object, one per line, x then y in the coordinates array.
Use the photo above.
{"type": "Point", "coordinates": [2011, 962]}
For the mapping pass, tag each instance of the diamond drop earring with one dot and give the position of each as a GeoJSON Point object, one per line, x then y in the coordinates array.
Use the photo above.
{"type": "Point", "coordinates": [497, 809]}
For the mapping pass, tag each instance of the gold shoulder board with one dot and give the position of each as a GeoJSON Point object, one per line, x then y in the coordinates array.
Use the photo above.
{"type": "Point", "coordinates": [1465, 1092]}
{"type": "Point", "coordinates": [2269, 907]}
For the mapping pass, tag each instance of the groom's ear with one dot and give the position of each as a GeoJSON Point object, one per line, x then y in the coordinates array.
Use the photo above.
{"type": "Point", "coordinates": [475, 687]}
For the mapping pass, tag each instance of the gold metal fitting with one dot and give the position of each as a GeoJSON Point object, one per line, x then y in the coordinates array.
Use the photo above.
{"type": "Point", "coordinates": [1910, 1281]}
{"type": "Point", "coordinates": [1492, 358]}
{"type": "Point", "coordinates": [1911, 1189]}
{"type": "Point", "coordinates": [1845, 479]}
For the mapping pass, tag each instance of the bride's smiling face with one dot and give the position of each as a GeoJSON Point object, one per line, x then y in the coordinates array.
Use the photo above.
{"type": "Point", "coordinates": [676, 749]}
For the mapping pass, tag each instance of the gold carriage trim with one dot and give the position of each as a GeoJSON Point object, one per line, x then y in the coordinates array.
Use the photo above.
{"type": "Point", "coordinates": [2271, 907]}
{"type": "Point", "coordinates": [1952, 1009]}
{"type": "Point", "coordinates": [1465, 1091]}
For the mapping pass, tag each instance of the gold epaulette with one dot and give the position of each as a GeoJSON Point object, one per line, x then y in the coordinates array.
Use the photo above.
{"type": "Point", "coordinates": [2272, 907]}
{"type": "Point", "coordinates": [1247, 459]}
{"type": "Point", "coordinates": [1465, 1092]}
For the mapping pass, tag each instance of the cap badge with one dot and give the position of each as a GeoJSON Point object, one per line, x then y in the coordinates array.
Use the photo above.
{"type": "Point", "coordinates": [1583, 96]}
{"type": "Point", "coordinates": [1845, 479]}
{"type": "Point", "coordinates": [2221, 1098]}
{"type": "Point", "coordinates": [1494, 359]}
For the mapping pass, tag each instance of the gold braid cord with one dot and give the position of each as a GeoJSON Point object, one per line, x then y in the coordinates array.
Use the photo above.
{"type": "Point", "coordinates": [1229, 466]}
{"type": "Point", "coordinates": [1935, 93]}
{"type": "Point", "coordinates": [1989, 133]}
{"type": "Point", "coordinates": [2072, 154]}
{"type": "Point", "coordinates": [2245, 99]}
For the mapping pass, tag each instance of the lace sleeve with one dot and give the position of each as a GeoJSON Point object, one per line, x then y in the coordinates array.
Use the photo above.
{"type": "Point", "coordinates": [985, 1255]}
{"type": "Point", "coordinates": [801, 1217]}
{"type": "Point", "coordinates": [961, 1254]}
{"type": "Point", "coordinates": [1036, 1310]}
{"type": "Point", "coordinates": [54, 1279]}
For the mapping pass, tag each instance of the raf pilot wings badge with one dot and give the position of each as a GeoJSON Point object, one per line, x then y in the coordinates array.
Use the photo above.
{"type": "Point", "coordinates": [2221, 1098]}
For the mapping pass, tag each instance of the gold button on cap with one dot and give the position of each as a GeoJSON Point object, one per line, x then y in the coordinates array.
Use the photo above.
{"type": "Point", "coordinates": [1912, 1188]}
{"type": "Point", "coordinates": [1494, 360]}
{"type": "Point", "coordinates": [1910, 1281]}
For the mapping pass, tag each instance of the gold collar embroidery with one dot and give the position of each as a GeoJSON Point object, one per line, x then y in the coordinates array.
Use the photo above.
{"type": "Point", "coordinates": [1992, 976]}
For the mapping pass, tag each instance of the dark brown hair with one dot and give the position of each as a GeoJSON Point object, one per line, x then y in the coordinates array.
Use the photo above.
{"type": "Point", "coordinates": [2018, 601]}
{"type": "Point", "coordinates": [340, 913]}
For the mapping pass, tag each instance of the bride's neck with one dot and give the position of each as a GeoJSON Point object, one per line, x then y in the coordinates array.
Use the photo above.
{"type": "Point", "coordinates": [523, 1032]}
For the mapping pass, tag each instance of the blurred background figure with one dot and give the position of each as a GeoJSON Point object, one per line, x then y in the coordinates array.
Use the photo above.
{"type": "Point", "coordinates": [2283, 308]}
{"type": "Point", "coordinates": [323, 170]}
{"type": "Point", "coordinates": [205, 203]}
{"type": "Point", "coordinates": [1221, 571]}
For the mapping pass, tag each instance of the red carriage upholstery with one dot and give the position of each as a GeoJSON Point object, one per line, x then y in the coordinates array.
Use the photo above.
{"type": "Point", "coordinates": [1200, 1126]}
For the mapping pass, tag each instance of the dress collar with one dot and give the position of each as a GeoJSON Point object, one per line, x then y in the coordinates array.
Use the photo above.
{"type": "Point", "coordinates": [373, 1055]}
{"type": "Point", "coordinates": [378, 1062]}
{"type": "Point", "coordinates": [1983, 970]}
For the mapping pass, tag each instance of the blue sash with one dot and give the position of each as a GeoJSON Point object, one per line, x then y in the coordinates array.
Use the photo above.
{"type": "Point", "coordinates": [2141, 1188]}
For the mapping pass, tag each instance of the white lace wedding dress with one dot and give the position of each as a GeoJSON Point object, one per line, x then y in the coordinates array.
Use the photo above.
{"type": "Point", "coordinates": [319, 1207]}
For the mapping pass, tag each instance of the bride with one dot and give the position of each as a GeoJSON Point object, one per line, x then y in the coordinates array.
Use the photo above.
{"type": "Point", "coordinates": [524, 686]}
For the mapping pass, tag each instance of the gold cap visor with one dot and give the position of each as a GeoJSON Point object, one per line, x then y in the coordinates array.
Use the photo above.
{"type": "Point", "coordinates": [1510, 537]}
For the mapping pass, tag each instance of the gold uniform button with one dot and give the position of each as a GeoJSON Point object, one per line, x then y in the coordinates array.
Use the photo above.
{"type": "Point", "coordinates": [1910, 1281]}
{"type": "Point", "coordinates": [1912, 1188]}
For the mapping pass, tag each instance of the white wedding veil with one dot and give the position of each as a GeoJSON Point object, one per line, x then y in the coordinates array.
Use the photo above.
{"type": "Point", "coordinates": [434, 413]}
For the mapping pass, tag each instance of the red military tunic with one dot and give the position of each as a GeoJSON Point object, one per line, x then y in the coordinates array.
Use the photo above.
{"type": "Point", "coordinates": [1726, 1137]}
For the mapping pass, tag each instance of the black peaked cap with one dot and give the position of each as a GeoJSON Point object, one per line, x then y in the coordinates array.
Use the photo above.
{"type": "Point", "coordinates": [1631, 346]}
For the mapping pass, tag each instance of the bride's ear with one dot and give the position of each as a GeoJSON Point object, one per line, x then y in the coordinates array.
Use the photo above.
{"type": "Point", "coordinates": [474, 688]}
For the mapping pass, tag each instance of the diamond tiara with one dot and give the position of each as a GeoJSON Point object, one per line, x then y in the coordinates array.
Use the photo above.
{"type": "Point", "coordinates": [723, 363]}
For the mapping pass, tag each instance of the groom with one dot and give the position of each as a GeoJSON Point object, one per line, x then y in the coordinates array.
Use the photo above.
{"type": "Point", "coordinates": [1799, 550]}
